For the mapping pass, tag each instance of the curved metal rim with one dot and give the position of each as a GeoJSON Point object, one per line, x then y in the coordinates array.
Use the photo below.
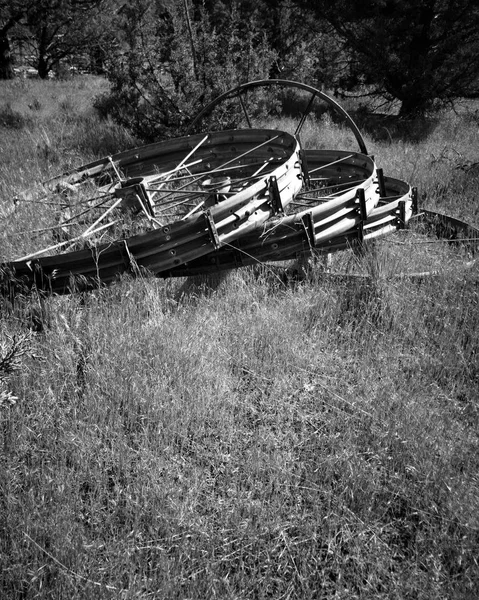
{"type": "Point", "coordinates": [174, 242]}
{"type": "Point", "coordinates": [455, 225]}
{"type": "Point", "coordinates": [434, 218]}
{"type": "Point", "coordinates": [287, 83]}
{"type": "Point", "coordinates": [453, 222]}
{"type": "Point", "coordinates": [292, 241]}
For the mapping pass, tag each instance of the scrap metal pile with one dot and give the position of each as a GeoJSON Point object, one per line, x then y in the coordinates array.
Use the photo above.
{"type": "Point", "coordinates": [206, 202]}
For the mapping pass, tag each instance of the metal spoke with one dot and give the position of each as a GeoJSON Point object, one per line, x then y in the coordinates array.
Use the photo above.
{"type": "Point", "coordinates": [268, 83]}
{"type": "Point", "coordinates": [235, 159]}
{"type": "Point", "coordinates": [335, 162]}
{"type": "Point", "coordinates": [216, 171]}
{"type": "Point", "coordinates": [305, 114]}
{"type": "Point", "coordinates": [243, 106]}
{"type": "Point", "coordinates": [84, 235]}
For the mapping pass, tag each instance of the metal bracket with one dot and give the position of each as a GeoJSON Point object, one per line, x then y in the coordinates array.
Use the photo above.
{"type": "Point", "coordinates": [415, 207]}
{"type": "Point", "coordinates": [361, 233]}
{"type": "Point", "coordinates": [134, 196]}
{"type": "Point", "coordinates": [382, 187]}
{"type": "Point", "coordinates": [401, 212]}
{"type": "Point", "coordinates": [308, 225]}
{"type": "Point", "coordinates": [212, 229]}
{"type": "Point", "coordinates": [362, 209]}
{"type": "Point", "coordinates": [357, 243]}
{"type": "Point", "coordinates": [275, 196]}
{"type": "Point", "coordinates": [304, 168]}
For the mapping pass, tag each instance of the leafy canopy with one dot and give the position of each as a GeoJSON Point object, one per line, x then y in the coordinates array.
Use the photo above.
{"type": "Point", "coordinates": [420, 52]}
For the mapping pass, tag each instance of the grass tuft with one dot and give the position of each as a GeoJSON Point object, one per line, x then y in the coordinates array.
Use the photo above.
{"type": "Point", "coordinates": [12, 119]}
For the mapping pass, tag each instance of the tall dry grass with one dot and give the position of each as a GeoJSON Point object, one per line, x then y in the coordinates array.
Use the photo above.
{"type": "Point", "coordinates": [238, 436]}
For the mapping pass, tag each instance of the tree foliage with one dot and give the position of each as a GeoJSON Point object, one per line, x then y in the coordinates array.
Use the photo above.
{"type": "Point", "coordinates": [167, 58]}
{"type": "Point", "coordinates": [11, 12]}
{"type": "Point", "coordinates": [59, 30]}
{"type": "Point", "coordinates": [172, 58]}
{"type": "Point", "coordinates": [49, 31]}
{"type": "Point", "coordinates": [420, 52]}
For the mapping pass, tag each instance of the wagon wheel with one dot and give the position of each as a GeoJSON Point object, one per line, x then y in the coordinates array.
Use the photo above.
{"type": "Point", "coordinates": [155, 206]}
{"type": "Point", "coordinates": [334, 226]}
{"type": "Point", "coordinates": [256, 101]}
{"type": "Point", "coordinates": [146, 188]}
{"type": "Point", "coordinates": [328, 174]}
{"type": "Point", "coordinates": [431, 244]}
{"type": "Point", "coordinates": [300, 108]}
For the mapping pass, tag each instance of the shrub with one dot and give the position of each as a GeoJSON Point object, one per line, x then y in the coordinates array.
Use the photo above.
{"type": "Point", "coordinates": [168, 67]}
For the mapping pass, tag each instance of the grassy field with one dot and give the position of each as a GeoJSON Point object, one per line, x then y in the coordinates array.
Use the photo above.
{"type": "Point", "coordinates": [235, 436]}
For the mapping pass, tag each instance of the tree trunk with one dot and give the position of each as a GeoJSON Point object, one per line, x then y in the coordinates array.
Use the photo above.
{"type": "Point", "coordinates": [43, 67]}
{"type": "Point", "coordinates": [413, 105]}
{"type": "Point", "coordinates": [6, 61]}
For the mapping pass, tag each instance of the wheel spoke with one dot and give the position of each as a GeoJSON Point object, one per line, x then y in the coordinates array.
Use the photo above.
{"type": "Point", "coordinates": [243, 106]}
{"type": "Point", "coordinates": [207, 190]}
{"type": "Point", "coordinates": [83, 236]}
{"type": "Point", "coordinates": [305, 114]}
{"type": "Point", "coordinates": [268, 83]}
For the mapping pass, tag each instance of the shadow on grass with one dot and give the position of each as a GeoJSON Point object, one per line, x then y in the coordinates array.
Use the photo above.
{"type": "Point", "coordinates": [393, 128]}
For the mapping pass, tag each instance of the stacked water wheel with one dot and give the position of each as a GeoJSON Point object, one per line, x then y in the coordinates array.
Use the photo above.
{"type": "Point", "coordinates": [234, 191]}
